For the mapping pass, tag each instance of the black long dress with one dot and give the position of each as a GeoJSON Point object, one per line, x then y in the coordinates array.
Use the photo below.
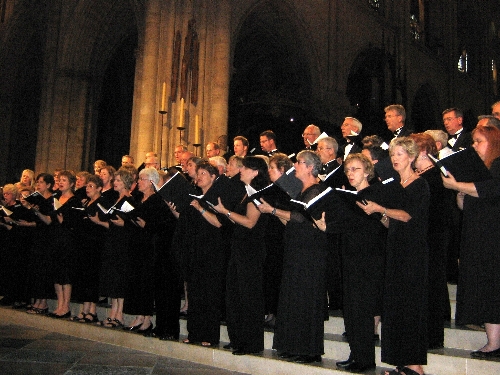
{"type": "Point", "coordinates": [479, 283]}
{"type": "Point", "coordinates": [64, 244]}
{"type": "Point", "coordinates": [16, 245]}
{"type": "Point", "coordinates": [244, 290]}
{"type": "Point", "coordinates": [363, 258]}
{"type": "Point", "coordinates": [139, 299]}
{"type": "Point", "coordinates": [90, 237]}
{"type": "Point", "coordinates": [115, 258]}
{"type": "Point", "coordinates": [40, 283]}
{"type": "Point", "coordinates": [404, 319]}
{"type": "Point", "coordinates": [440, 213]}
{"type": "Point", "coordinates": [202, 241]}
{"type": "Point", "coordinates": [300, 320]}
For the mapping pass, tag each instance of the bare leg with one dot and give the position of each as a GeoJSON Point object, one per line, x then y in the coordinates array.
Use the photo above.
{"type": "Point", "coordinates": [67, 289]}
{"type": "Point", "coordinates": [119, 309]}
{"type": "Point", "coordinates": [493, 335]}
{"type": "Point", "coordinates": [60, 300]}
{"type": "Point", "coordinates": [377, 322]}
{"type": "Point", "coordinates": [185, 306]}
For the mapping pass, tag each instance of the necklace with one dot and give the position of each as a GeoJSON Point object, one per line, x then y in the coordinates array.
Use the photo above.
{"type": "Point", "coordinates": [425, 169]}
{"type": "Point", "coordinates": [404, 182]}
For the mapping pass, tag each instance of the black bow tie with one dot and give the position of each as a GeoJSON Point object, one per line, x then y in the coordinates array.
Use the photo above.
{"type": "Point", "coordinates": [454, 136]}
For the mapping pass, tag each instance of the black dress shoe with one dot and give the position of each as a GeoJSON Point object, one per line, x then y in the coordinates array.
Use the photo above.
{"type": "Point", "coordinates": [63, 316]}
{"type": "Point", "coordinates": [132, 328]}
{"type": "Point", "coordinates": [491, 354]}
{"type": "Point", "coordinates": [358, 367]}
{"type": "Point", "coordinates": [344, 364]}
{"type": "Point", "coordinates": [146, 331]}
{"type": "Point", "coordinates": [307, 359]}
{"type": "Point", "coordinates": [286, 355]}
{"type": "Point", "coordinates": [243, 352]}
{"type": "Point", "coordinates": [168, 338]}
{"type": "Point", "coordinates": [229, 346]}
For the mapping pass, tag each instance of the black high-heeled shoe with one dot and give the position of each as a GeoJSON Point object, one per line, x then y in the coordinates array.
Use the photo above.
{"type": "Point", "coordinates": [146, 331]}
{"type": "Point", "coordinates": [132, 328]}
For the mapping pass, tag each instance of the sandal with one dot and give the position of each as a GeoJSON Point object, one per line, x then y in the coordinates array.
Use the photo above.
{"type": "Point", "coordinates": [105, 323]}
{"type": "Point", "coordinates": [77, 318]}
{"type": "Point", "coordinates": [38, 311]}
{"type": "Point", "coordinates": [93, 318]}
{"type": "Point", "coordinates": [402, 371]}
{"type": "Point", "coordinates": [115, 323]}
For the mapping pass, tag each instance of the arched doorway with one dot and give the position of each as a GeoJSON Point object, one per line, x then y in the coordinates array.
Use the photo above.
{"type": "Point", "coordinates": [115, 107]}
{"type": "Point", "coordinates": [425, 112]}
{"type": "Point", "coordinates": [370, 88]}
{"type": "Point", "coordinates": [271, 82]}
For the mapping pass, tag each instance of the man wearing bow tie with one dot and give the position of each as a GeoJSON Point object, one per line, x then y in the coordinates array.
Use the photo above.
{"type": "Point", "coordinates": [458, 138]}
{"type": "Point", "coordinates": [351, 127]}
{"type": "Point", "coordinates": [268, 142]}
{"type": "Point", "coordinates": [395, 116]}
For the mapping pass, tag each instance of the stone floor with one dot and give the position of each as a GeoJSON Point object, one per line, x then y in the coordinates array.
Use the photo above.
{"type": "Point", "coordinates": [26, 350]}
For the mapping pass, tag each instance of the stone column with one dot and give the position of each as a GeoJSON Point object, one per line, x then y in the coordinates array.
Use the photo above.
{"type": "Point", "coordinates": [146, 121]}
{"type": "Point", "coordinates": [217, 74]}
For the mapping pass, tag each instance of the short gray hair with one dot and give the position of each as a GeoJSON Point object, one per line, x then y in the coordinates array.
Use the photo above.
{"type": "Point", "coordinates": [151, 174]}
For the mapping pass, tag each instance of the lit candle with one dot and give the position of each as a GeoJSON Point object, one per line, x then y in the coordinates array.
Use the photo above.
{"type": "Point", "coordinates": [197, 129]}
{"type": "Point", "coordinates": [163, 94]}
{"type": "Point", "coordinates": [181, 115]}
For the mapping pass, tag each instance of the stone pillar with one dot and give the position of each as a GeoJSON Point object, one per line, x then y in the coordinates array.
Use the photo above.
{"type": "Point", "coordinates": [146, 121]}
{"type": "Point", "coordinates": [217, 75]}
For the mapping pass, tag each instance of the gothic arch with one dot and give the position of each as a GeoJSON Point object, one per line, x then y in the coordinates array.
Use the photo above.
{"type": "Point", "coordinates": [273, 70]}
{"type": "Point", "coordinates": [425, 110]}
{"type": "Point", "coordinates": [370, 87]}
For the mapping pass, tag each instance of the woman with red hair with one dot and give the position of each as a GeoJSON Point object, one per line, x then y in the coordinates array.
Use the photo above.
{"type": "Point", "coordinates": [478, 288]}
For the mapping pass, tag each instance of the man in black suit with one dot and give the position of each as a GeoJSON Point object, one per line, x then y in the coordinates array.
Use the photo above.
{"type": "Point", "coordinates": [311, 132]}
{"type": "Point", "coordinates": [332, 174]}
{"type": "Point", "coordinates": [495, 110]}
{"type": "Point", "coordinates": [395, 117]}
{"type": "Point", "coordinates": [458, 138]}
{"type": "Point", "coordinates": [351, 128]}
{"type": "Point", "coordinates": [268, 142]}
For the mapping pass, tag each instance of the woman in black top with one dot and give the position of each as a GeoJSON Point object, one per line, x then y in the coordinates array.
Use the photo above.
{"type": "Point", "coordinates": [244, 295]}
{"type": "Point", "coordinates": [64, 221]}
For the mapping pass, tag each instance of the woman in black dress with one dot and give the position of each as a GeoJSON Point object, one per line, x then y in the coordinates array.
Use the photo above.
{"type": "Point", "coordinates": [108, 193]}
{"type": "Point", "coordinates": [40, 285]}
{"type": "Point", "coordinates": [17, 233]}
{"type": "Point", "coordinates": [273, 266]}
{"type": "Point", "coordinates": [479, 283]}
{"type": "Point", "coordinates": [151, 216]}
{"type": "Point", "coordinates": [244, 294]}
{"type": "Point", "coordinates": [404, 318]}
{"type": "Point", "coordinates": [301, 308]}
{"type": "Point", "coordinates": [440, 224]}
{"type": "Point", "coordinates": [64, 221]}
{"type": "Point", "coordinates": [201, 235]}
{"type": "Point", "coordinates": [115, 257]}
{"type": "Point", "coordinates": [90, 237]}
{"type": "Point", "coordinates": [363, 255]}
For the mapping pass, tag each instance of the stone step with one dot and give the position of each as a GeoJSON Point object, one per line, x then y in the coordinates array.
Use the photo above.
{"type": "Point", "coordinates": [440, 362]}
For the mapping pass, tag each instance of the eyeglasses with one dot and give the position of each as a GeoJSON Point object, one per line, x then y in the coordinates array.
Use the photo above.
{"type": "Point", "coordinates": [449, 118]}
{"type": "Point", "coordinates": [300, 162]}
{"type": "Point", "coordinates": [323, 148]}
{"type": "Point", "coordinates": [307, 134]}
{"type": "Point", "coordinates": [352, 169]}
{"type": "Point", "coordinates": [143, 178]}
